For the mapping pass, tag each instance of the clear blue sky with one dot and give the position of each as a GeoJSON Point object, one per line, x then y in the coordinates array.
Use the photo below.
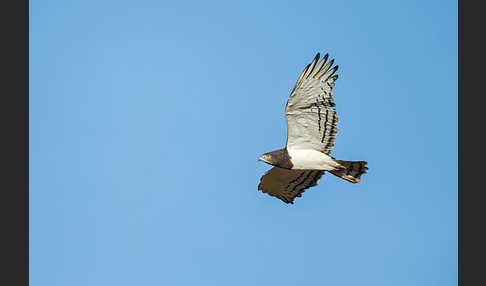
{"type": "Point", "coordinates": [147, 119]}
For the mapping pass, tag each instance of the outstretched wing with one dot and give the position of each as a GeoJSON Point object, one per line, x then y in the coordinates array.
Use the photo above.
{"type": "Point", "coordinates": [288, 184]}
{"type": "Point", "coordinates": [311, 120]}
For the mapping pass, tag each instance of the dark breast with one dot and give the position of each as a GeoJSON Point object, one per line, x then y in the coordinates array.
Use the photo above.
{"type": "Point", "coordinates": [281, 158]}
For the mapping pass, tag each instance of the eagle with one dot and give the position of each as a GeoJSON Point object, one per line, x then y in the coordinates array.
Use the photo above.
{"type": "Point", "coordinates": [311, 131]}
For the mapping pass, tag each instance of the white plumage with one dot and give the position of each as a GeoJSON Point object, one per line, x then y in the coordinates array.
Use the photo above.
{"type": "Point", "coordinates": [308, 159]}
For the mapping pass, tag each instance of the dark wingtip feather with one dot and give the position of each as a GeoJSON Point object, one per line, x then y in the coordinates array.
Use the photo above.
{"type": "Point", "coordinates": [332, 71]}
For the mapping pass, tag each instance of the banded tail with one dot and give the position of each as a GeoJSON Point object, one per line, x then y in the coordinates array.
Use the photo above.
{"type": "Point", "coordinates": [352, 171]}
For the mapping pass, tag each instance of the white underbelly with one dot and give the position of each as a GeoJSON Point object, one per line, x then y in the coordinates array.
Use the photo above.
{"type": "Point", "coordinates": [307, 159]}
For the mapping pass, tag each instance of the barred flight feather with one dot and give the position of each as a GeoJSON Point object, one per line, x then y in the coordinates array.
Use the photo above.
{"type": "Point", "coordinates": [330, 130]}
{"type": "Point", "coordinates": [310, 119]}
{"type": "Point", "coordinates": [288, 184]}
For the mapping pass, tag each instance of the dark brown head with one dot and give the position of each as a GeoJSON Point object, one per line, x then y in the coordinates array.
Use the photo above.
{"type": "Point", "coordinates": [279, 158]}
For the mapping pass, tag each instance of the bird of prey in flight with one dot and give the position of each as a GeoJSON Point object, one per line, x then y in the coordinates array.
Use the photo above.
{"type": "Point", "coordinates": [311, 131]}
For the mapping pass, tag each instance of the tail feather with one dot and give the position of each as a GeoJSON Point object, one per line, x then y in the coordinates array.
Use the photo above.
{"type": "Point", "coordinates": [352, 170]}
